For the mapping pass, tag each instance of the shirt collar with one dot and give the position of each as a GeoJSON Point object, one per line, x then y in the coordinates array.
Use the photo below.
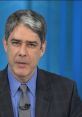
{"type": "Point", "coordinates": [14, 84]}
{"type": "Point", "coordinates": [32, 83]}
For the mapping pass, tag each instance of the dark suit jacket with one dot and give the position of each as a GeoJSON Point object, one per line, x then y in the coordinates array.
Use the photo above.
{"type": "Point", "coordinates": [55, 96]}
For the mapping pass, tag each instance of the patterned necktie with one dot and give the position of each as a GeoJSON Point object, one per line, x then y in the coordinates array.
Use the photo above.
{"type": "Point", "coordinates": [24, 105]}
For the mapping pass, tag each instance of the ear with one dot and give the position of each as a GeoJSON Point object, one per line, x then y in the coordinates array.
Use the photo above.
{"type": "Point", "coordinates": [5, 44]}
{"type": "Point", "coordinates": [43, 48]}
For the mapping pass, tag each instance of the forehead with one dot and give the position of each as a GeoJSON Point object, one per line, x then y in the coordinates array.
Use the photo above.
{"type": "Point", "coordinates": [21, 32]}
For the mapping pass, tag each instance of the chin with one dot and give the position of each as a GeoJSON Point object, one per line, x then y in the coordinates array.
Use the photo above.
{"type": "Point", "coordinates": [21, 73]}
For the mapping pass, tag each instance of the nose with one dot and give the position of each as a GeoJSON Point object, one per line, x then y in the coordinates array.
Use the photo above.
{"type": "Point", "coordinates": [23, 50]}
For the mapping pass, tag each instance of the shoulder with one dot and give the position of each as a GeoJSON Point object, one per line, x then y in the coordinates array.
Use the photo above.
{"type": "Point", "coordinates": [57, 80]}
{"type": "Point", "coordinates": [3, 74]}
{"type": "Point", "coordinates": [54, 76]}
{"type": "Point", "coordinates": [58, 85]}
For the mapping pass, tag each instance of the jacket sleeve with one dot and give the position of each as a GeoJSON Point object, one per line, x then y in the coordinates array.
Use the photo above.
{"type": "Point", "coordinates": [75, 103]}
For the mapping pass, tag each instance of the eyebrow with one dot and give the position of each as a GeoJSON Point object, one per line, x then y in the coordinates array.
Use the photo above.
{"type": "Point", "coordinates": [18, 40]}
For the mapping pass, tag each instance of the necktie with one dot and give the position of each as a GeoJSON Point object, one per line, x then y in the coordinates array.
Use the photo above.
{"type": "Point", "coordinates": [24, 105]}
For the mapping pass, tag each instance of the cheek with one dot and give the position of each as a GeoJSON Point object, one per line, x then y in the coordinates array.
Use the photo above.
{"type": "Point", "coordinates": [11, 54]}
{"type": "Point", "coordinates": [10, 57]}
{"type": "Point", "coordinates": [35, 57]}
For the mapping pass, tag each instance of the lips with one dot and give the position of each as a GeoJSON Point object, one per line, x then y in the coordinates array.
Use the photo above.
{"type": "Point", "coordinates": [21, 64]}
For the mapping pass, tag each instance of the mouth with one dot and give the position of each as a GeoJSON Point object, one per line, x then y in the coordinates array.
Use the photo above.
{"type": "Point", "coordinates": [21, 64]}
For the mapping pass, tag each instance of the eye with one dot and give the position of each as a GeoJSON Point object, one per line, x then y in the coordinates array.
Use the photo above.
{"type": "Point", "coordinates": [15, 42]}
{"type": "Point", "coordinates": [32, 45]}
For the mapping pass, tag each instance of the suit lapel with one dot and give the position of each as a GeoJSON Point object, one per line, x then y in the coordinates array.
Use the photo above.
{"type": "Point", "coordinates": [5, 98]}
{"type": "Point", "coordinates": [43, 96]}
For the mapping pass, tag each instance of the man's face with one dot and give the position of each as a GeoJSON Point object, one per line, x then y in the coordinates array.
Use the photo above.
{"type": "Point", "coordinates": [24, 49]}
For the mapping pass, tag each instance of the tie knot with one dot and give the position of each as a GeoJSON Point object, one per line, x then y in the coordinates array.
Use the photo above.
{"type": "Point", "coordinates": [23, 88]}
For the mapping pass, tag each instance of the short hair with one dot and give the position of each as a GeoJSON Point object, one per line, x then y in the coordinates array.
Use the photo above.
{"type": "Point", "coordinates": [30, 19]}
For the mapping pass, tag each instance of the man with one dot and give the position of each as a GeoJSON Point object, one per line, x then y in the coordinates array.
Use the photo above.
{"type": "Point", "coordinates": [50, 95]}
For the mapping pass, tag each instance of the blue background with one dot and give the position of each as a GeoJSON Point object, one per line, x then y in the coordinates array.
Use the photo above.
{"type": "Point", "coordinates": [64, 36]}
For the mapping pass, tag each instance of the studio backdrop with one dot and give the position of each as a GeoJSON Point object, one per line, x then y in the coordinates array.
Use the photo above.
{"type": "Point", "coordinates": [64, 35]}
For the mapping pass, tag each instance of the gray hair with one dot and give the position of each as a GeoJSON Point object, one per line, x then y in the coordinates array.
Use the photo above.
{"type": "Point", "coordinates": [29, 18]}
